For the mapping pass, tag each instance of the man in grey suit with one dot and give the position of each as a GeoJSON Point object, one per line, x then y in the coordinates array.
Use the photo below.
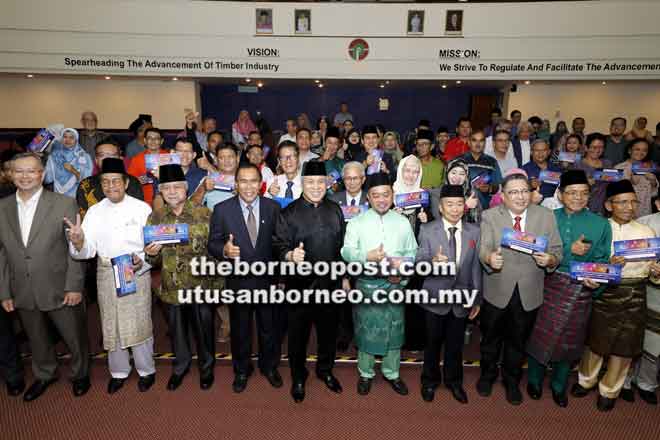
{"type": "Point", "coordinates": [449, 239]}
{"type": "Point", "coordinates": [513, 285]}
{"type": "Point", "coordinates": [39, 279]}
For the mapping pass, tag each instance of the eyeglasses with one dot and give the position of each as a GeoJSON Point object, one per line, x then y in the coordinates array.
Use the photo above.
{"type": "Point", "coordinates": [112, 182]}
{"type": "Point", "coordinates": [286, 158]}
{"type": "Point", "coordinates": [352, 179]}
{"type": "Point", "coordinates": [626, 202]}
{"type": "Point", "coordinates": [517, 192]}
{"type": "Point", "coordinates": [577, 194]}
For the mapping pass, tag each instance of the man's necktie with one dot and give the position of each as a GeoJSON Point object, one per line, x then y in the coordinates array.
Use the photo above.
{"type": "Point", "coordinates": [289, 192]}
{"type": "Point", "coordinates": [252, 226]}
{"type": "Point", "coordinates": [516, 225]}
{"type": "Point", "coordinates": [352, 202]}
{"type": "Point", "coordinates": [451, 252]}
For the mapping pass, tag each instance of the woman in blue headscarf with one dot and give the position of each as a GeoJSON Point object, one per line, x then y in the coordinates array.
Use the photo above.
{"type": "Point", "coordinates": [68, 164]}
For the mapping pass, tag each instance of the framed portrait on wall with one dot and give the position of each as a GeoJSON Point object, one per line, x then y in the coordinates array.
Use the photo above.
{"type": "Point", "coordinates": [303, 21]}
{"type": "Point", "coordinates": [454, 22]}
{"type": "Point", "coordinates": [264, 21]}
{"type": "Point", "coordinates": [415, 23]}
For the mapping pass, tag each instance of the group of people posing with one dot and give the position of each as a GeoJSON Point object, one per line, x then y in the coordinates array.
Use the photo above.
{"type": "Point", "coordinates": [338, 205]}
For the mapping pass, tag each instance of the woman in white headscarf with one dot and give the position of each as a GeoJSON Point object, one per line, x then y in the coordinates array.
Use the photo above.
{"type": "Point", "coordinates": [408, 180]}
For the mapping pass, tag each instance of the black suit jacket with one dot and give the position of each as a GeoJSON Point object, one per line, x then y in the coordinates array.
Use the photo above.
{"type": "Point", "coordinates": [228, 219]}
{"type": "Point", "coordinates": [340, 197]}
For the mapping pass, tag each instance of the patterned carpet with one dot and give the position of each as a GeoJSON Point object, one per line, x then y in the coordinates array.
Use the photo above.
{"type": "Point", "coordinates": [262, 412]}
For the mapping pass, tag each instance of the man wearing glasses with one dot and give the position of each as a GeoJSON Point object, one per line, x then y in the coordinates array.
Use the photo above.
{"type": "Point", "coordinates": [288, 184]}
{"type": "Point", "coordinates": [618, 318]}
{"type": "Point", "coordinates": [89, 191]}
{"type": "Point", "coordinates": [513, 284]}
{"type": "Point", "coordinates": [561, 324]}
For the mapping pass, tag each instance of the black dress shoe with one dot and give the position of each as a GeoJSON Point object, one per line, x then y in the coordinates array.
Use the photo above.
{"type": "Point", "coordinates": [37, 389]}
{"type": "Point", "coordinates": [298, 391]}
{"type": "Point", "coordinates": [364, 386]}
{"type": "Point", "coordinates": [484, 387]}
{"type": "Point", "coordinates": [398, 385]}
{"type": "Point", "coordinates": [579, 391]}
{"type": "Point", "coordinates": [206, 381]}
{"type": "Point", "coordinates": [561, 399]}
{"type": "Point", "coordinates": [175, 381]}
{"type": "Point", "coordinates": [604, 403]}
{"type": "Point", "coordinates": [240, 383]}
{"type": "Point", "coordinates": [648, 396]}
{"type": "Point", "coordinates": [81, 386]}
{"type": "Point", "coordinates": [458, 393]}
{"type": "Point", "coordinates": [513, 394]}
{"type": "Point", "coordinates": [115, 385]}
{"type": "Point", "coordinates": [15, 388]}
{"type": "Point", "coordinates": [274, 379]}
{"type": "Point", "coordinates": [332, 383]}
{"type": "Point", "coordinates": [146, 382]}
{"type": "Point", "coordinates": [628, 395]}
{"type": "Point", "coordinates": [428, 393]}
{"type": "Point", "coordinates": [534, 391]}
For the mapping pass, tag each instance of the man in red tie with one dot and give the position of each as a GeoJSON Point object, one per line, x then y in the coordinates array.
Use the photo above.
{"type": "Point", "coordinates": [513, 283]}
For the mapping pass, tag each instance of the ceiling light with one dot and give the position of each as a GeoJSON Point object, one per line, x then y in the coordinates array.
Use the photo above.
{"type": "Point", "coordinates": [175, 79]}
{"type": "Point", "coordinates": [604, 82]}
{"type": "Point", "coordinates": [444, 86]}
{"type": "Point", "coordinates": [30, 76]}
{"type": "Point", "coordinates": [247, 80]}
{"type": "Point", "coordinates": [459, 81]}
{"type": "Point", "coordinates": [528, 82]}
{"type": "Point", "coordinates": [382, 86]}
{"type": "Point", "coordinates": [320, 85]}
{"type": "Point", "coordinates": [260, 84]}
{"type": "Point", "coordinates": [317, 81]}
{"type": "Point", "coordinates": [387, 82]}
{"type": "Point", "coordinates": [108, 77]}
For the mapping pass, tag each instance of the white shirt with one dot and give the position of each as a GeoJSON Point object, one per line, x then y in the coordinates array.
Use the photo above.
{"type": "Point", "coordinates": [307, 156]}
{"type": "Point", "coordinates": [26, 211]}
{"type": "Point", "coordinates": [357, 198]}
{"type": "Point", "coordinates": [267, 174]}
{"type": "Point", "coordinates": [113, 229]}
{"type": "Point", "coordinates": [459, 230]}
{"type": "Point", "coordinates": [509, 160]}
{"type": "Point", "coordinates": [281, 180]}
{"type": "Point", "coordinates": [525, 149]}
{"type": "Point", "coordinates": [523, 219]}
{"type": "Point", "coordinates": [286, 137]}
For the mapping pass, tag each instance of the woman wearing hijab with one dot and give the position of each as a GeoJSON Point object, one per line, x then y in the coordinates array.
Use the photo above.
{"type": "Point", "coordinates": [242, 128]}
{"type": "Point", "coordinates": [457, 174]}
{"type": "Point", "coordinates": [409, 179]}
{"type": "Point", "coordinates": [391, 145]}
{"type": "Point", "coordinates": [68, 164]}
{"type": "Point", "coordinates": [353, 147]}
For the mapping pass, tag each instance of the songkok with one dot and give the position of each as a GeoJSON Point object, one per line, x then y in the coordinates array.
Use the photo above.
{"type": "Point", "coordinates": [314, 168]}
{"type": "Point", "coordinates": [620, 187]}
{"type": "Point", "coordinates": [573, 177]}
{"type": "Point", "coordinates": [139, 122]}
{"type": "Point", "coordinates": [112, 165]}
{"type": "Point", "coordinates": [424, 123]}
{"type": "Point", "coordinates": [378, 179]}
{"type": "Point", "coordinates": [452, 191]}
{"type": "Point", "coordinates": [171, 173]}
{"type": "Point", "coordinates": [425, 134]}
{"type": "Point", "coordinates": [332, 132]}
{"type": "Point", "coordinates": [369, 129]}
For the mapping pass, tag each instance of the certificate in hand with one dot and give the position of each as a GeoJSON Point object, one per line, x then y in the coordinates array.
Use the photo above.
{"type": "Point", "coordinates": [223, 182]}
{"type": "Point", "coordinates": [481, 179]}
{"type": "Point", "coordinates": [598, 272]}
{"type": "Point", "coordinates": [523, 241]}
{"type": "Point", "coordinates": [642, 168]}
{"type": "Point", "coordinates": [638, 250]}
{"type": "Point", "coordinates": [551, 177]}
{"type": "Point", "coordinates": [332, 178]}
{"type": "Point", "coordinates": [353, 211]}
{"type": "Point", "coordinates": [153, 161]}
{"type": "Point", "coordinates": [125, 278]}
{"type": "Point", "coordinates": [41, 141]}
{"type": "Point", "coordinates": [565, 156]}
{"type": "Point", "coordinates": [608, 175]}
{"type": "Point", "coordinates": [411, 200]}
{"type": "Point", "coordinates": [167, 234]}
{"type": "Point", "coordinates": [375, 166]}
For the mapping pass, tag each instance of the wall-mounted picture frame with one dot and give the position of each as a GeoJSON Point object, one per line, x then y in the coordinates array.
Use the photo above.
{"type": "Point", "coordinates": [415, 23]}
{"type": "Point", "coordinates": [454, 22]}
{"type": "Point", "coordinates": [264, 21]}
{"type": "Point", "coordinates": [303, 21]}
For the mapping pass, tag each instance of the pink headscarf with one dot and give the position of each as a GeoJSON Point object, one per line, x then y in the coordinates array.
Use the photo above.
{"type": "Point", "coordinates": [244, 124]}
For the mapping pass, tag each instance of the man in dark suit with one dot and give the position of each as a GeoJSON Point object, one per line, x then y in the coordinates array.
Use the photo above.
{"type": "Point", "coordinates": [242, 227]}
{"type": "Point", "coordinates": [39, 278]}
{"type": "Point", "coordinates": [449, 239]}
{"type": "Point", "coordinates": [353, 176]}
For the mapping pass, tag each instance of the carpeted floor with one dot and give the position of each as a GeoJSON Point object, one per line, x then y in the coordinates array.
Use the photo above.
{"type": "Point", "coordinates": [263, 412]}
